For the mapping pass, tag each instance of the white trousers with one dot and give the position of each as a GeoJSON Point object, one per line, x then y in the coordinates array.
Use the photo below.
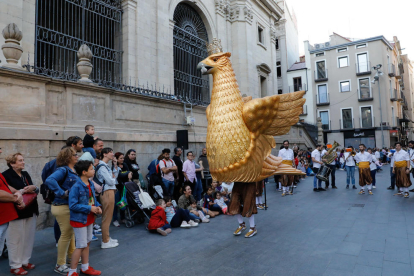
{"type": "Point", "coordinates": [20, 240]}
{"type": "Point", "coordinates": [3, 229]}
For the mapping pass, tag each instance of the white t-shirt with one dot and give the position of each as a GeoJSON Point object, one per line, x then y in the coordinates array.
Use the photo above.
{"type": "Point", "coordinates": [401, 155]}
{"type": "Point", "coordinates": [363, 157]}
{"type": "Point", "coordinates": [286, 154]}
{"type": "Point", "coordinates": [317, 155]}
{"type": "Point", "coordinates": [351, 161]}
{"type": "Point", "coordinates": [411, 153]}
{"type": "Point", "coordinates": [392, 159]}
{"type": "Point", "coordinates": [167, 164]}
{"type": "Point", "coordinates": [372, 165]}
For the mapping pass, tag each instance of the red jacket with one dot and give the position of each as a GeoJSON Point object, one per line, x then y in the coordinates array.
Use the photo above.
{"type": "Point", "coordinates": [158, 218]}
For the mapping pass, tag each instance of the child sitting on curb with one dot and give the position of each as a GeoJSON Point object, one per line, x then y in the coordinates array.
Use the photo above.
{"type": "Point", "coordinates": [220, 202]}
{"type": "Point", "coordinates": [192, 208]}
{"type": "Point", "coordinates": [158, 222]}
{"type": "Point", "coordinates": [83, 208]}
{"type": "Point", "coordinates": [178, 217]}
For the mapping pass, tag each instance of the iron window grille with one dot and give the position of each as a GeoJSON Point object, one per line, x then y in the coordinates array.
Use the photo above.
{"type": "Point", "coordinates": [190, 37]}
{"type": "Point", "coordinates": [62, 26]}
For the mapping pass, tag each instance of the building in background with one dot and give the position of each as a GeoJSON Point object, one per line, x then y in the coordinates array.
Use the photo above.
{"type": "Point", "coordinates": [408, 90]}
{"type": "Point", "coordinates": [347, 99]}
{"type": "Point", "coordinates": [144, 83]}
{"type": "Point", "coordinates": [287, 46]}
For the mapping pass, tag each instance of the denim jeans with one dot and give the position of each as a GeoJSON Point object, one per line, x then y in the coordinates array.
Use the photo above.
{"type": "Point", "coordinates": [198, 189]}
{"type": "Point", "coordinates": [56, 230]}
{"type": "Point", "coordinates": [315, 171]}
{"type": "Point", "coordinates": [350, 174]}
{"type": "Point", "coordinates": [170, 186]}
{"type": "Point", "coordinates": [392, 178]}
{"type": "Point", "coordinates": [373, 173]}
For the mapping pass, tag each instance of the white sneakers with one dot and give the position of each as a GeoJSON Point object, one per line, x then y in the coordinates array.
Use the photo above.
{"type": "Point", "coordinates": [189, 224]}
{"type": "Point", "coordinates": [192, 223]}
{"type": "Point", "coordinates": [184, 224]}
{"type": "Point", "coordinates": [110, 244]}
{"type": "Point", "coordinates": [62, 269]}
{"type": "Point", "coordinates": [116, 223]}
{"type": "Point", "coordinates": [205, 220]}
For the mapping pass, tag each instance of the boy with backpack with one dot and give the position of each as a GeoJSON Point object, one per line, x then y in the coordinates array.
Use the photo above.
{"type": "Point", "coordinates": [168, 167]}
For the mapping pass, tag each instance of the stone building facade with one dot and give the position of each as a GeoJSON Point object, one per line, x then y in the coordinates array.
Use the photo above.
{"type": "Point", "coordinates": [133, 100]}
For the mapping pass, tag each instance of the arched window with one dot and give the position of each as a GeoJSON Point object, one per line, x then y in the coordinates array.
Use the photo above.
{"type": "Point", "coordinates": [190, 37]}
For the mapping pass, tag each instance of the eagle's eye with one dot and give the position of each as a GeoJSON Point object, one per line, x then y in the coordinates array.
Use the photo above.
{"type": "Point", "coordinates": [215, 59]}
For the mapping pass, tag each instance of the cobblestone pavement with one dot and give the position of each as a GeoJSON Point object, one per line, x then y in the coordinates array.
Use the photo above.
{"type": "Point", "coordinates": [336, 232]}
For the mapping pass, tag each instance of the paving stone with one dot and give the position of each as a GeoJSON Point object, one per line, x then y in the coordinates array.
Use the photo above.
{"type": "Point", "coordinates": [362, 270]}
{"type": "Point", "coordinates": [349, 248]}
{"type": "Point", "coordinates": [396, 269]}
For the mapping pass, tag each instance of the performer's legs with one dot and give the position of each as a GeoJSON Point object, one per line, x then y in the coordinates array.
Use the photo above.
{"type": "Point", "coordinates": [239, 219]}
{"type": "Point", "coordinates": [251, 222]}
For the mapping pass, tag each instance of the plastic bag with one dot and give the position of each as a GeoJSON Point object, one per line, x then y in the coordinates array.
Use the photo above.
{"type": "Point", "coordinates": [122, 204]}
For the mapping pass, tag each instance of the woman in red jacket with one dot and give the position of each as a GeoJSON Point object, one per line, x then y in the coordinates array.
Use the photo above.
{"type": "Point", "coordinates": [158, 222]}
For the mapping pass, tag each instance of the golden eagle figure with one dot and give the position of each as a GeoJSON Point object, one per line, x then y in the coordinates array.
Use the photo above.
{"type": "Point", "coordinates": [240, 130]}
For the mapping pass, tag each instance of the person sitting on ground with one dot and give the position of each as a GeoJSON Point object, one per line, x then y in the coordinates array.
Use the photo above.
{"type": "Point", "coordinates": [220, 202]}
{"type": "Point", "coordinates": [209, 202]}
{"type": "Point", "coordinates": [193, 209]}
{"type": "Point", "coordinates": [187, 198]}
{"type": "Point", "coordinates": [89, 140]}
{"type": "Point", "coordinates": [158, 222]}
{"type": "Point", "coordinates": [178, 217]}
{"type": "Point", "coordinates": [83, 208]}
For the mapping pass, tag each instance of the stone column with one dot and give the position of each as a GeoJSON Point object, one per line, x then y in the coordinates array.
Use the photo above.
{"type": "Point", "coordinates": [12, 50]}
{"type": "Point", "coordinates": [320, 130]}
{"type": "Point", "coordinates": [84, 65]}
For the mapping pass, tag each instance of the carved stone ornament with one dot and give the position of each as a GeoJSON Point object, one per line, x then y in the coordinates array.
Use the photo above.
{"type": "Point", "coordinates": [234, 13]}
{"type": "Point", "coordinates": [248, 14]}
{"type": "Point", "coordinates": [12, 50]}
{"type": "Point", "coordinates": [273, 35]}
{"type": "Point", "coordinates": [222, 7]}
{"type": "Point", "coordinates": [84, 65]}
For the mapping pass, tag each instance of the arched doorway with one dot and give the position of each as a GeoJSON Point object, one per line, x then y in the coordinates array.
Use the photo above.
{"type": "Point", "coordinates": [190, 37]}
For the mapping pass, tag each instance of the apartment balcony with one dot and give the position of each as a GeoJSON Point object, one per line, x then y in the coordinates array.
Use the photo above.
{"type": "Point", "coordinates": [346, 124]}
{"type": "Point", "coordinates": [404, 101]}
{"type": "Point", "coordinates": [365, 95]}
{"type": "Point", "coordinates": [366, 124]}
{"type": "Point", "coordinates": [363, 68]}
{"type": "Point", "coordinates": [304, 110]}
{"type": "Point", "coordinates": [393, 95]}
{"type": "Point", "coordinates": [321, 75]}
{"type": "Point", "coordinates": [322, 100]}
{"type": "Point", "coordinates": [294, 88]}
{"type": "Point", "coordinates": [391, 70]}
{"type": "Point", "coordinates": [326, 126]}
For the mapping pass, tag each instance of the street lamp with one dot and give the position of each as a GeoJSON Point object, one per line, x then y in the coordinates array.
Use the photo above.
{"type": "Point", "coordinates": [376, 79]}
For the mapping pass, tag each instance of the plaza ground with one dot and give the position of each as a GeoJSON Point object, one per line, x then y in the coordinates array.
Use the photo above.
{"type": "Point", "coordinates": [336, 232]}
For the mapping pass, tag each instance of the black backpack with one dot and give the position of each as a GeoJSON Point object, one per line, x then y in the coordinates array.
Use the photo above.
{"type": "Point", "coordinates": [95, 178]}
{"type": "Point", "coordinates": [47, 194]}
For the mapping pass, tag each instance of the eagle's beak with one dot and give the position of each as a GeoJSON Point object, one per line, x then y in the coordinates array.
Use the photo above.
{"type": "Point", "coordinates": [205, 69]}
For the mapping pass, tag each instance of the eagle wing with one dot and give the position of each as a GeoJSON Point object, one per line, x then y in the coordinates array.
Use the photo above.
{"type": "Point", "coordinates": [273, 115]}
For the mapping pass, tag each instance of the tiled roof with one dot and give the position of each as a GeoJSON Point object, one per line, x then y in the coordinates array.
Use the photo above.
{"type": "Point", "coordinates": [297, 66]}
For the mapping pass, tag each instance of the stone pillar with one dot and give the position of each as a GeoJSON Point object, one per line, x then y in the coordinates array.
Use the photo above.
{"type": "Point", "coordinates": [320, 130]}
{"type": "Point", "coordinates": [12, 50]}
{"type": "Point", "coordinates": [84, 65]}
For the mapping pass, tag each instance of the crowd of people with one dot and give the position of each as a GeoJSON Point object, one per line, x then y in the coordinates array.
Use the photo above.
{"type": "Point", "coordinates": [87, 180]}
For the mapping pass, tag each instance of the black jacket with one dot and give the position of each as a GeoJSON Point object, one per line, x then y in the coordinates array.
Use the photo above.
{"type": "Point", "coordinates": [132, 167]}
{"type": "Point", "coordinates": [88, 141]}
{"type": "Point", "coordinates": [179, 164]}
{"type": "Point", "coordinates": [17, 182]}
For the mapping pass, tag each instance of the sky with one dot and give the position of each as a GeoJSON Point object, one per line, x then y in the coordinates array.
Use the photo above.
{"type": "Point", "coordinates": [318, 19]}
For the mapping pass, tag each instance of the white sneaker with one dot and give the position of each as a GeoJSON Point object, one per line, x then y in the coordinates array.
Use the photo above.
{"type": "Point", "coordinates": [207, 216]}
{"type": "Point", "coordinates": [193, 224]}
{"type": "Point", "coordinates": [116, 223]}
{"type": "Point", "coordinates": [205, 220]}
{"type": "Point", "coordinates": [114, 240]}
{"type": "Point", "coordinates": [184, 224]}
{"type": "Point", "coordinates": [374, 187]}
{"type": "Point", "coordinates": [110, 244]}
{"type": "Point", "coordinates": [62, 269]}
{"type": "Point", "coordinates": [96, 227]}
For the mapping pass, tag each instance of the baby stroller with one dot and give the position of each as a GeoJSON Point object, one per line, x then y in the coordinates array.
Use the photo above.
{"type": "Point", "coordinates": [134, 211]}
{"type": "Point", "coordinates": [156, 187]}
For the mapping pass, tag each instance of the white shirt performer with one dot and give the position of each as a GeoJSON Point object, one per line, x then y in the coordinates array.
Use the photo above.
{"type": "Point", "coordinates": [365, 179]}
{"type": "Point", "coordinates": [402, 170]}
{"type": "Point", "coordinates": [317, 162]}
{"type": "Point", "coordinates": [350, 169]}
{"type": "Point", "coordinates": [287, 159]}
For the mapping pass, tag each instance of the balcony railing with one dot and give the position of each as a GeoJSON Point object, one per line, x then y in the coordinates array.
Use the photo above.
{"type": "Point", "coordinates": [348, 124]}
{"type": "Point", "coordinates": [294, 88]}
{"type": "Point", "coordinates": [321, 75]}
{"type": "Point", "coordinates": [325, 127]}
{"type": "Point", "coordinates": [363, 96]}
{"type": "Point", "coordinates": [363, 68]}
{"type": "Point", "coordinates": [391, 70]}
{"type": "Point", "coordinates": [304, 110]}
{"type": "Point", "coordinates": [404, 101]}
{"type": "Point", "coordinates": [393, 95]}
{"type": "Point", "coordinates": [322, 99]}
